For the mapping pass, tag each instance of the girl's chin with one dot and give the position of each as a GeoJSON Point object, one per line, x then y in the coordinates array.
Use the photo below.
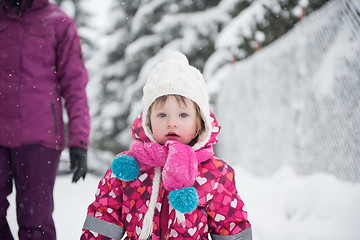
{"type": "Point", "coordinates": [171, 138]}
{"type": "Point", "coordinates": [176, 138]}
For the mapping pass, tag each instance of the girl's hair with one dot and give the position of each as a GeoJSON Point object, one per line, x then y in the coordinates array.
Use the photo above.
{"type": "Point", "coordinates": [181, 100]}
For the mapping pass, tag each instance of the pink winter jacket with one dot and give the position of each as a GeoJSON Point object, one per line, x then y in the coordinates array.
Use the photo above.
{"type": "Point", "coordinates": [120, 206]}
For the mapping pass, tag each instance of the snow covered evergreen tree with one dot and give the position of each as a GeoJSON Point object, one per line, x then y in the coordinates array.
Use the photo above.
{"type": "Point", "coordinates": [261, 23]}
{"type": "Point", "coordinates": [210, 33]}
{"type": "Point", "coordinates": [109, 116]}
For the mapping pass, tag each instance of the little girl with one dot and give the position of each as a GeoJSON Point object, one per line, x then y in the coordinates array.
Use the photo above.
{"type": "Point", "coordinates": [169, 185]}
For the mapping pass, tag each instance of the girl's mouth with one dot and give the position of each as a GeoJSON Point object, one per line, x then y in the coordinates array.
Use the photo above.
{"type": "Point", "coordinates": [172, 134]}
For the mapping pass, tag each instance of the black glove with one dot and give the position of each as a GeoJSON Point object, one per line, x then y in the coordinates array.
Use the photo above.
{"type": "Point", "coordinates": [78, 163]}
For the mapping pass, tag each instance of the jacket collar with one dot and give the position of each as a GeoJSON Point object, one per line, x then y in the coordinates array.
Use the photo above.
{"type": "Point", "coordinates": [26, 6]}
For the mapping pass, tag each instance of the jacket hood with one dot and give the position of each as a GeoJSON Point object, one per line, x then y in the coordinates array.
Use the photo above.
{"type": "Point", "coordinates": [138, 132]}
{"type": "Point", "coordinates": [175, 76]}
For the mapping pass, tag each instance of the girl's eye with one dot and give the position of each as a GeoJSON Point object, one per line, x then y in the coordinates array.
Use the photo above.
{"type": "Point", "coordinates": [162, 115]}
{"type": "Point", "coordinates": [184, 114]}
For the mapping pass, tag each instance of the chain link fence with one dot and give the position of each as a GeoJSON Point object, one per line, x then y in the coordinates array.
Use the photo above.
{"type": "Point", "coordinates": [297, 101]}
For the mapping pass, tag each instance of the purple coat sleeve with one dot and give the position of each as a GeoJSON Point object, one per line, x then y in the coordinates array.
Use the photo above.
{"type": "Point", "coordinates": [73, 77]}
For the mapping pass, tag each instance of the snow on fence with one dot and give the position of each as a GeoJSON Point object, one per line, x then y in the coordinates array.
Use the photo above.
{"type": "Point", "coordinates": [297, 101]}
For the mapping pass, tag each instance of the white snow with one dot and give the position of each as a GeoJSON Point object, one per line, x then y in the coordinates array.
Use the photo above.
{"type": "Point", "coordinates": [287, 206]}
{"type": "Point", "coordinates": [71, 202]}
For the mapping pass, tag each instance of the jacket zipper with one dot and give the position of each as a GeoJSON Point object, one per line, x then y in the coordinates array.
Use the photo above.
{"type": "Point", "coordinates": [54, 115]}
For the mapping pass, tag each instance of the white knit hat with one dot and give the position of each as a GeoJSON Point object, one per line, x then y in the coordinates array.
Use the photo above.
{"type": "Point", "coordinates": [174, 75]}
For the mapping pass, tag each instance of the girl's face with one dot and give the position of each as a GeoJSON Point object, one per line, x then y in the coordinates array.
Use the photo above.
{"type": "Point", "coordinates": [174, 120]}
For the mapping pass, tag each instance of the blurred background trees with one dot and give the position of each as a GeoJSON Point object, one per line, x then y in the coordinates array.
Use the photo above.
{"type": "Point", "coordinates": [124, 44]}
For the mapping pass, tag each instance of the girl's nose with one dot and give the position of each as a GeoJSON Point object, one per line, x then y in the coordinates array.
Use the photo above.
{"type": "Point", "coordinates": [171, 123]}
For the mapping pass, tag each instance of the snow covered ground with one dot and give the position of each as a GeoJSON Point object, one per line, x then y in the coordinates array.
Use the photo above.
{"type": "Point", "coordinates": [284, 206]}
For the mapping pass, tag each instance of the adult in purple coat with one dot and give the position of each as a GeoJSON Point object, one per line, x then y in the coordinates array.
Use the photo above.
{"type": "Point", "coordinates": [41, 64]}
